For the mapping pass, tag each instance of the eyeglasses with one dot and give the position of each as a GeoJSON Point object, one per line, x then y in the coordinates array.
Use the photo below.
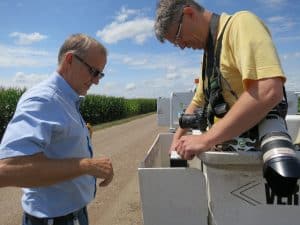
{"type": "Point", "coordinates": [93, 71]}
{"type": "Point", "coordinates": [178, 33]}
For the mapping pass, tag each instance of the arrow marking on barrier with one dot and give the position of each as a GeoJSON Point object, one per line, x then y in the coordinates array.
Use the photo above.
{"type": "Point", "coordinates": [240, 193]}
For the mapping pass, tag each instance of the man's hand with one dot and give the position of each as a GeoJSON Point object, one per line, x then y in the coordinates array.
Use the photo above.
{"type": "Point", "coordinates": [90, 128]}
{"type": "Point", "coordinates": [191, 145]}
{"type": "Point", "coordinates": [101, 168]}
{"type": "Point", "coordinates": [174, 144]}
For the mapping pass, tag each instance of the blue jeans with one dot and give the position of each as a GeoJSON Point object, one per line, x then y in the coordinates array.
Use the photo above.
{"type": "Point", "coordinates": [78, 218]}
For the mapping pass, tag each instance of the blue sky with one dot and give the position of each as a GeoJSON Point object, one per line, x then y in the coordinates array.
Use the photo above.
{"type": "Point", "coordinates": [138, 65]}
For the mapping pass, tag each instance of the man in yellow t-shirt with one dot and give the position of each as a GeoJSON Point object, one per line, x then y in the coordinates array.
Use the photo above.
{"type": "Point", "coordinates": [248, 62]}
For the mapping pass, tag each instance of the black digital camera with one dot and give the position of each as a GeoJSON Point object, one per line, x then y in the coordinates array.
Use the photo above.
{"type": "Point", "coordinates": [197, 120]}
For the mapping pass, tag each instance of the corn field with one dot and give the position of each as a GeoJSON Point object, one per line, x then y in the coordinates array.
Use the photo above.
{"type": "Point", "coordinates": [95, 109]}
{"type": "Point", "coordinates": [8, 102]}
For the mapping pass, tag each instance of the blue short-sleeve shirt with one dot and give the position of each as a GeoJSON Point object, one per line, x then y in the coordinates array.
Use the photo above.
{"type": "Point", "coordinates": [47, 119]}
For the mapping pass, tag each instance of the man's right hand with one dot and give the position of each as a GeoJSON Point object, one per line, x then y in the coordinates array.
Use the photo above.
{"type": "Point", "coordinates": [175, 142]}
{"type": "Point", "coordinates": [101, 168]}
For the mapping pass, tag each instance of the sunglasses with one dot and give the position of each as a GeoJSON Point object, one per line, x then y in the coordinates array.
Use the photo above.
{"type": "Point", "coordinates": [92, 70]}
{"type": "Point", "coordinates": [178, 33]}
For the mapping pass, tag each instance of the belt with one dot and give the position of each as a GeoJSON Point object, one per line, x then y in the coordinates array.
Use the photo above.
{"type": "Point", "coordinates": [59, 220]}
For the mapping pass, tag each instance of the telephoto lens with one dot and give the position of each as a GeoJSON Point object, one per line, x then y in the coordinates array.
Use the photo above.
{"type": "Point", "coordinates": [281, 167]}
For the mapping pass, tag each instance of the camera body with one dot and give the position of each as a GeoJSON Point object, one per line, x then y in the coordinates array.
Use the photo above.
{"type": "Point", "coordinates": [197, 120]}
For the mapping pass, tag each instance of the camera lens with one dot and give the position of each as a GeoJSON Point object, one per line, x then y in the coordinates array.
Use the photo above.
{"type": "Point", "coordinates": [281, 165]}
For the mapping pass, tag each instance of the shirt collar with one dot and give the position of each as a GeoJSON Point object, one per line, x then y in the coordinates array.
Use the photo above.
{"type": "Point", "coordinates": [66, 89]}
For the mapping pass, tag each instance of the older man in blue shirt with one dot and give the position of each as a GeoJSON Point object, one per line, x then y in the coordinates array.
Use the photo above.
{"type": "Point", "coordinates": [46, 148]}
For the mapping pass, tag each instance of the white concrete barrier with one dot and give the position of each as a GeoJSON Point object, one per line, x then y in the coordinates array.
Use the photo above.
{"type": "Point", "coordinates": [293, 124]}
{"type": "Point", "coordinates": [171, 196]}
{"type": "Point", "coordinates": [238, 194]}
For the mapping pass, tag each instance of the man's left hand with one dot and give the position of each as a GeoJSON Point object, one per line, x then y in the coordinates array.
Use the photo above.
{"type": "Point", "coordinates": [191, 145]}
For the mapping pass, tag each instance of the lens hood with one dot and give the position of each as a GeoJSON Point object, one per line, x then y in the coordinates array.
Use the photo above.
{"type": "Point", "coordinates": [282, 173]}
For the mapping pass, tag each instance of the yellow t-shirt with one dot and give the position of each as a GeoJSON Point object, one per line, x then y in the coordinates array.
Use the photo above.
{"type": "Point", "coordinates": [247, 53]}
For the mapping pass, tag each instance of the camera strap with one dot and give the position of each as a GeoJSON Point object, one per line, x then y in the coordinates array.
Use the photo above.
{"type": "Point", "coordinates": [215, 104]}
{"type": "Point", "coordinates": [211, 69]}
{"type": "Point", "coordinates": [208, 56]}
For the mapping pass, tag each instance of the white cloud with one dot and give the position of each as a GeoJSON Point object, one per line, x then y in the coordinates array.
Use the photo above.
{"type": "Point", "coordinates": [293, 81]}
{"type": "Point", "coordinates": [168, 62]}
{"type": "Point", "coordinates": [289, 38]}
{"type": "Point", "coordinates": [276, 19]}
{"type": "Point", "coordinates": [110, 88]}
{"type": "Point", "coordinates": [12, 56]}
{"type": "Point", "coordinates": [27, 39]}
{"type": "Point", "coordinates": [280, 24]}
{"type": "Point", "coordinates": [21, 79]}
{"type": "Point", "coordinates": [292, 55]}
{"type": "Point", "coordinates": [29, 79]}
{"type": "Point", "coordinates": [172, 76]}
{"type": "Point", "coordinates": [125, 13]}
{"type": "Point", "coordinates": [160, 74]}
{"type": "Point", "coordinates": [130, 87]}
{"type": "Point", "coordinates": [134, 62]}
{"type": "Point", "coordinates": [138, 28]}
{"type": "Point", "coordinates": [151, 87]}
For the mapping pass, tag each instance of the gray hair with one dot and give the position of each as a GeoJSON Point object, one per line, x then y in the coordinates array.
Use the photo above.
{"type": "Point", "coordinates": [168, 12]}
{"type": "Point", "coordinates": [79, 44]}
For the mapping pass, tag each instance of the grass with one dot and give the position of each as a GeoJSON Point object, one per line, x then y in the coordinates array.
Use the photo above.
{"type": "Point", "coordinates": [118, 122]}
